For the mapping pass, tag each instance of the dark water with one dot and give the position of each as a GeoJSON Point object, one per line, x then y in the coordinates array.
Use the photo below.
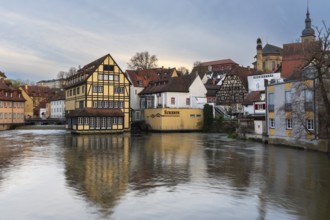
{"type": "Point", "coordinates": [48, 174]}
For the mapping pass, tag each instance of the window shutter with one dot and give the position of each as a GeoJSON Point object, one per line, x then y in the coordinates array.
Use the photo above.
{"type": "Point", "coordinates": [256, 106]}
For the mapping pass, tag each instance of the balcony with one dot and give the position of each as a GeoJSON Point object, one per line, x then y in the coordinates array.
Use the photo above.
{"type": "Point", "coordinates": [288, 107]}
{"type": "Point", "coordinates": [271, 108]}
{"type": "Point", "coordinates": [309, 106]}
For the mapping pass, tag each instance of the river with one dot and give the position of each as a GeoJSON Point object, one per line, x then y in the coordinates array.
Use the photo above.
{"type": "Point", "coordinates": [51, 174]}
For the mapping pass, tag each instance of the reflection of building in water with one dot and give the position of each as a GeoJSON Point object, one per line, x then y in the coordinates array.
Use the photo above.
{"type": "Point", "coordinates": [163, 160]}
{"type": "Point", "coordinates": [97, 166]}
{"type": "Point", "coordinates": [229, 164]}
{"type": "Point", "coordinates": [297, 181]}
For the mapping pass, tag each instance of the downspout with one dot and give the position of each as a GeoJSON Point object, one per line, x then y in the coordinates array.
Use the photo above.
{"type": "Point", "coordinates": [266, 99]}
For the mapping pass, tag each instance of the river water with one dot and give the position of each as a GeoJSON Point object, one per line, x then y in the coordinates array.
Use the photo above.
{"type": "Point", "coordinates": [51, 174]}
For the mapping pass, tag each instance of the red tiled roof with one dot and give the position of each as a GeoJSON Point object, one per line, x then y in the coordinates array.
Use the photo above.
{"type": "Point", "coordinates": [13, 94]}
{"type": "Point", "coordinates": [252, 97]}
{"type": "Point", "coordinates": [141, 78]}
{"type": "Point", "coordinates": [296, 56]}
{"type": "Point", "coordinates": [218, 62]}
{"type": "Point", "coordinates": [96, 112]}
{"type": "Point", "coordinates": [173, 84]}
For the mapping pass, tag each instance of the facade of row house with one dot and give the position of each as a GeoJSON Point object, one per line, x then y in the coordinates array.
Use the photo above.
{"type": "Point", "coordinates": [98, 98]}
{"type": "Point", "coordinates": [36, 99]}
{"type": "Point", "coordinates": [174, 104]}
{"type": "Point", "coordinates": [11, 105]}
{"type": "Point", "coordinates": [139, 80]}
{"type": "Point", "coordinates": [57, 105]}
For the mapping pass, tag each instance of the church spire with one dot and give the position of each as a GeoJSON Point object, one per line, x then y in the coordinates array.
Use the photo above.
{"type": "Point", "coordinates": [308, 34]}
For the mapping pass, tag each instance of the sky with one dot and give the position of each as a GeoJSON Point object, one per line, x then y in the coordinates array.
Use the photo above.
{"type": "Point", "coordinates": [40, 38]}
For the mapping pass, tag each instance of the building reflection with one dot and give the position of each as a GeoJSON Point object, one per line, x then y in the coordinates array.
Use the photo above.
{"type": "Point", "coordinates": [296, 181]}
{"type": "Point", "coordinates": [97, 168]}
{"type": "Point", "coordinates": [161, 160]}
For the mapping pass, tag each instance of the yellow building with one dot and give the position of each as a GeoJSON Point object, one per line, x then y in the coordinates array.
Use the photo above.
{"type": "Point", "coordinates": [11, 105]}
{"type": "Point", "coordinates": [172, 119]}
{"type": "Point", "coordinates": [98, 98]}
{"type": "Point", "coordinates": [28, 106]}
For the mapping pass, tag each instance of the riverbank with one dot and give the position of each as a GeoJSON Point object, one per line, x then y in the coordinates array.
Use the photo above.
{"type": "Point", "coordinates": [40, 127]}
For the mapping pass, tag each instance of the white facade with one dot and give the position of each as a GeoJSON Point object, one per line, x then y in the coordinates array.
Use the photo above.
{"type": "Point", "coordinates": [195, 98]}
{"type": "Point", "coordinates": [257, 82]}
{"type": "Point", "coordinates": [57, 109]}
{"type": "Point", "coordinates": [135, 99]}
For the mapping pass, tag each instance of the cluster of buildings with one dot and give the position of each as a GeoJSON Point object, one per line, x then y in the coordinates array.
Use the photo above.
{"type": "Point", "coordinates": [101, 98]}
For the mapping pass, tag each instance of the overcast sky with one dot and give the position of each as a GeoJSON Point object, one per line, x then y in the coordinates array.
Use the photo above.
{"type": "Point", "coordinates": [39, 38]}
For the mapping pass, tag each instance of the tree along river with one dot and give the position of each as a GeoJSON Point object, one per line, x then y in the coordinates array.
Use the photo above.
{"type": "Point", "coordinates": [51, 174]}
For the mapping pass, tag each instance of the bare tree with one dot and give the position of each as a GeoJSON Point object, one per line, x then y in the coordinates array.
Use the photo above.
{"type": "Point", "coordinates": [312, 88]}
{"type": "Point", "coordinates": [183, 69]}
{"type": "Point", "coordinates": [72, 71]}
{"type": "Point", "coordinates": [61, 75]}
{"type": "Point", "coordinates": [197, 63]}
{"type": "Point", "coordinates": [142, 60]}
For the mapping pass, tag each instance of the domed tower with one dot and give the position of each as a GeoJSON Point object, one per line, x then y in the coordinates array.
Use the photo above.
{"type": "Point", "coordinates": [308, 34]}
{"type": "Point", "coordinates": [259, 56]}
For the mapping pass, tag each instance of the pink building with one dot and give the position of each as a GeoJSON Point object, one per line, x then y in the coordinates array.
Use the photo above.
{"type": "Point", "coordinates": [11, 105]}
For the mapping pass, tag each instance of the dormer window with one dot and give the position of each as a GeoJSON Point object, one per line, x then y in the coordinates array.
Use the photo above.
{"type": "Point", "coordinates": [108, 68]}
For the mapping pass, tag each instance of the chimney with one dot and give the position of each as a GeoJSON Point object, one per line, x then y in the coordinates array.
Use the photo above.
{"type": "Point", "coordinates": [259, 56]}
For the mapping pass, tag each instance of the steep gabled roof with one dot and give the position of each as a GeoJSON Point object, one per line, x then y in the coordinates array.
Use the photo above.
{"type": "Point", "coordinates": [217, 65]}
{"type": "Point", "coordinates": [252, 97]}
{"type": "Point", "coordinates": [141, 78]}
{"type": "Point", "coordinates": [296, 56]}
{"type": "Point", "coordinates": [173, 84]}
{"type": "Point", "coordinates": [242, 73]}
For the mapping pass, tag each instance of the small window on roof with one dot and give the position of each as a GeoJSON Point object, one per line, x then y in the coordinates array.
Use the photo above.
{"type": "Point", "coordinates": [108, 67]}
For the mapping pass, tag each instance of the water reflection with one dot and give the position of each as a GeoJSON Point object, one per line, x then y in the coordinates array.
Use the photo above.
{"type": "Point", "coordinates": [97, 168]}
{"type": "Point", "coordinates": [181, 176]}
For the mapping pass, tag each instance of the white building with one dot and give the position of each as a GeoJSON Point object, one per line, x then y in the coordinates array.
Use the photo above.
{"type": "Point", "coordinates": [257, 82]}
{"type": "Point", "coordinates": [57, 106]}
{"type": "Point", "coordinates": [187, 91]}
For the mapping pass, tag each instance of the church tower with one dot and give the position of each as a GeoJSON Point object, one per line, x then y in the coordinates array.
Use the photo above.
{"type": "Point", "coordinates": [308, 34]}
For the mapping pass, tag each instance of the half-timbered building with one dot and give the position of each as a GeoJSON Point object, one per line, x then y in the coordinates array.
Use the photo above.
{"type": "Point", "coordinates": [233, 90]}
{"type": "Point", "coordinates": [97, 98]}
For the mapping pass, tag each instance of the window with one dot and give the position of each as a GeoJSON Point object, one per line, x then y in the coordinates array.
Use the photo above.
{"type": "Point", "coordinates": [80, 120]}
{"type": "Point", "coordinates": [81, 104]}
{"type": "Point", "coordinates": [188, 101]}
{"type": "Point", "coordinates": [78, 90]}
{"type": "Point", "coordinates": [287, 97]}
{"type": "Point", "coordinates": [259, 106]}
{"type": "Point", "coordinates": [310, 124]}
{"type": "Point", "coordinates": [119, 89]}
{"type": "Point", "coordinates": [100, 76]}
{"type": "Point", "coordinates": [74, 91]}
{"type": "Point", "coordinates": [104, 123]}
{"type": "Point", "coordinates": [172, 101]}
{"type": "Point", "coordinates": [86, 120]}
{"type": "Point", "coordinates": [108, 67]}
{"type": "Point", "coordinates": [92, 122]}
{"type": "Point", "coordinates": [1, 116]}
{"type": "Point", "coordinates": [95, 104]}
{"type": "Point", "coordinates": [271, 102]}
{"type": "Point", "coordinates": [272, 123]}
{"type": "Point", "coordinates": [288, 123]}
{"type": "Point", "coordinates": [120, 120]}
{"type": "Point", "coordinates": [110, 122]}
{"type": "Point", "coordinates": [116, 77]}
{"type": "Point", "coordinates": [308, 95]}
{"type": "Point", "coordinates": [97, 89]}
